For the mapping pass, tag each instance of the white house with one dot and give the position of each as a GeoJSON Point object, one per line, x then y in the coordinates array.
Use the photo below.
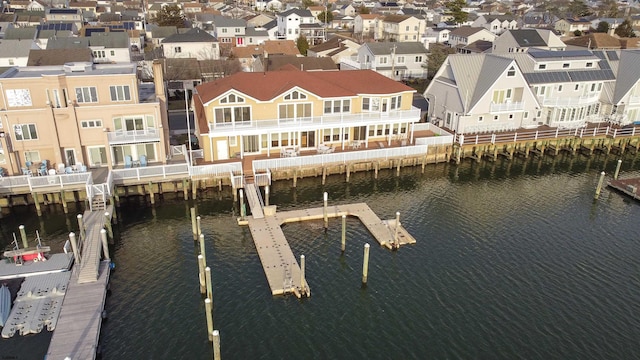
{"type": "Point", "coordinates": [394, 60]}
{"type": "Point", "coordinates": [465, 35]}
{"type": "Point", "coordinates": [364, 25]}
{"type": "Point", "coordinates": [626, 96]}
{"type": "Point", "coordinates": [195, 43]}
{"type": "Point", "coordinates": [290, 21]}
{"type": "Point", "coordinates": [513, 41]}
{"type": "Point", "coordinates": [15, 52]}
{"type": "Point", "coordinates": [569, 26]}
{"type": "Point", "coordinates": [497, 24]}
{"type": "Point", "coordinates": [400, 28]}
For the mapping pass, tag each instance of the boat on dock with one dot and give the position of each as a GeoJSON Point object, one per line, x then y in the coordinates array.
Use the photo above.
{"type": "Point", "coordinates": [5, 304]}
{"type": "Point", "coordinates": [32, 253]}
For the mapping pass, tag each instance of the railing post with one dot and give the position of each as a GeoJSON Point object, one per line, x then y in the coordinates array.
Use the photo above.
{"type": "Point", "coordinates": [476, 139]}
{"type": "Point", "coordinates": [607, 132]}
{"type": "Point", "coordinates": [536, 138]}
{"type": "Point", "coordinates": [515, 137]}
{"type": "Point", "coordinates": [557, 129]}
{"type": "Point", "coordinates": [615, 132]}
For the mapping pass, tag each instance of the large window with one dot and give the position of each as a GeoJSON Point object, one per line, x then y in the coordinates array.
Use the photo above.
{"type": "Point", "coordinates": [371, 104]}
{"type": "Point", "coordinates": [295, 95]}
{"type": "Point", "coordinates": [337, 106]}
{"type": "Point", "coordinates": [91, 124]}
{"type": "Point", "coordinates": [120, 93]}
{"type": "Point", "coordinates": [294, 111]}
{"type": "Point", "coordinates": [18, 97]}
{"type": "Point", "coordinates": [232, 99]}
{"type": "Point", "coordinates": [26, 132]}
{"type": "Point", "coordinates": [87, 94]}
{"type": "Point", "coordinates": [396, 102]}
{"type": "Point", "coordinates": [240, 115]}
{"type": "Point", "coordinates": [501, 96]}
{"type": "Point", "coordinates": [132, 123]}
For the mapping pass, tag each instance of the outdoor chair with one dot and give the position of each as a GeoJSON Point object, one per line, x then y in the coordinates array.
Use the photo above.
{"type": "Point", "coordinates": [143, 160]}
{"type": "Point", "coordinates": [127, 161]}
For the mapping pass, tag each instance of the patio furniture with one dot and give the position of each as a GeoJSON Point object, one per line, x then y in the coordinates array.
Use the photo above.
{"type": "Point", "coordinates": [323, 149]}
{"type": "Point", "coordinates": [143, 160]}
{"type": "Point", "coordinates": [288, 152]}
{"type": "Point", "coordinates": [83, 168]}
{"type": "Point", "coordinates": [52, 172]}
{"type": "Point", "coordinates": [61, 168]}
{"type": "Point", "coordinates": [127, 161]}
{"type": "Point", "coordinates": [68, 170]}
{"type": "Point", "coordinates": [26, 171]}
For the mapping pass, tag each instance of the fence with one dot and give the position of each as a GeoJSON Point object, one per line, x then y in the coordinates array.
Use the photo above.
{"type": "Point", "coordinates": [216, 170]}
{"type": "Point", "coordinates": [544, 134]}
{"type": "Point", "coordinates": [164, 171]}
{"type": "Point", "coordinates": [61, 180]}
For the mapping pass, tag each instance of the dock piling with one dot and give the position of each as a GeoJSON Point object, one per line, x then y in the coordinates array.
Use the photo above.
{"type": "Point", "coordinates": [107, 223]}
{"type": "Point", "coordinates": [266, 195]}
{"type": "Point", "coordinates": [74, 247]}
{"type": "Point", "coordinates": [208, 310]}
{"type": "Point", "coordinates": [202, 252]}
{"type": "Point", "coordinates": [207, 278]}
{"type": "Point", "coordinates": [105, 244]}
{"type": "Point", "coordinates": [201, 274]}
{"type": "Point", "coordinates": [302, 264]}
{"type": "Point", "coordinates": [326, 218]}
{"type": "Point", "coordinates": [615, 175]}
{"type": "Point", "coordinates": [81, 225]}
{"type": "Point", "coordinates": [397, 227]}
{"type": "Point", "coordinates": [242, 208]}
{"type": "Point", "coordinates": [63, 200]}
{"type": "Point", "coordinates": [23, 236]}
{"type": "Point", "coordinates": [194, 227]}
{"type": "Point", "coordinates": [198, 225]}
{"type": "Point", "coordinates": [365, 264]}
{"type": "Point", "coordinates": [599, 187]}
{"type": "Point", "coordinates": [216, 345]}
{"type": "Point", "coordinates": [344, 233]}
{"type": "Point", "coordinates": [152, 196]}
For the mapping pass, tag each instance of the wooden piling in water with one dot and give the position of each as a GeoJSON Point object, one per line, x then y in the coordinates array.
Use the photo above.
{"type": "Point", "coordinates": [107, 223]}
{"type": "Point", "coordinates": [599, 187]}
{"type": "Point", "coordinates": [216, 345]}
{"type": "Point", "coordinates": [209, 285]}
{"type": "Point", "coordinates": [202, 252]}
{"type": "Point", "coordinates": [395, 235]}
{"type": "Point", "coordinates": [326, 218]}
{"type": "Point", "coordinates": [37, 203]}
{"type": "Point", "coordinates": [185, 190]}
{"type": "Point", "coordinates": [23, 236]}
{"type": "Point", "coordinates": [266, 195]}
{"type": "Point", "coordinates": [201, 274]}
{"type": "Point", "coordinates": [105, 244]}
{"type": "Point", "coordinates": [615, 175]}
{"type": "Point", "coordinates": [198, 226]}
{"type": "Point", "coordinates": [344, 233]}
{"type": "Point", "coordinates": [365, 264]}
{"type": "Point", "coordinates": [74, 247]}
{"type": "Point", "coordinates": [194, 226]}
{"type": "Point", "coordinates": [302, 276]}
{"type": "Point", "coordinates": [80, 225]}
{"type": "Point", "coordinates": [208, 310]}
{"type": "Point", "coordinates": [152, 196]}
{"type": "Point", "coordinates": [63, 199]}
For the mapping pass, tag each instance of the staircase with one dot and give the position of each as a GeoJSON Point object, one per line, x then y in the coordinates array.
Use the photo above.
{"type": "Point", "coordinates": [98, 202]}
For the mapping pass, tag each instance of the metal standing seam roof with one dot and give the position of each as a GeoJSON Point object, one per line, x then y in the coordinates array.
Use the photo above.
{"type": "Point", "coordinates": [628, 73]}
{"type": "Point", "coordinates": [384, 48]}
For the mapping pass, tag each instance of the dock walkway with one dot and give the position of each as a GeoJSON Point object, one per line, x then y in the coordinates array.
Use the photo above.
{"type": "Point", "coordinates": [628, 187]}
{"type": "Point", "coordinates": [254, 201]}
{"type": "Point", "coordinates": [278, 261]}
{"type": "Point", "coordinates": [78, 329]}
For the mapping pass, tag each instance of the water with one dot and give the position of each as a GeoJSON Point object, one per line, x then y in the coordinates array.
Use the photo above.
{"type": "Point", "coordinates": [513, 260]}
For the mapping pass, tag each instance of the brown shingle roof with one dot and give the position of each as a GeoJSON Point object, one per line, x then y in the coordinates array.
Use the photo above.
{"type": "Point", "coordinates": [285, 47]}
{"type": "Point", "coordinates": [58, 56]}
{"type": "Point", "coordinates": [595, 41]}
{"type": "Point", "coordinates": [269, 85]}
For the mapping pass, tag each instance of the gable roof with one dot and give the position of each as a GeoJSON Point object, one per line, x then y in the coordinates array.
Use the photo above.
{"type": "Point", "coordinates": [277, 62]}
{"type": "Point", "coordinates": [193, 35]}
{"type": "Point", "coordinates": [109, 40]}
{"type": "Point", "coordinates": [286, 47]}
{"type": "Point", "coordinates": [396, 18]}
{"type": "Point", "coordinates": [466, 31]}
{"type": "Point", "coordinates": [501, 18]}
{"type": "Point", "coordinates": [27, 33]}
{"type": "Point", "coordinates": [299, 12]}
{"type": "Point", "coordinates": [628, 74]}
{"type": "Point", "coordinates": [14, 48]}
{"type": "Point", "coordinates": [527, 37]}
{"type": "Point", "coordinates": [58, 56]}
{"type": "Point", "coordinates": [68, 43]}
{"type": "Point", "coordinates": [595, 41]}
{"type": "Point", "coordinates": [384, 48]}
{"type": "Point", "coordinates": [269, 85]}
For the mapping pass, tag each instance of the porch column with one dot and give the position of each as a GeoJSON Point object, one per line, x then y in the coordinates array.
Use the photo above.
{"type": "Point", "coordinates": [390, 133]}
{"type": "Point", "coordinates": [211, 147]}
{"type": "Point", "coordinates": [241, 148]}
{"type": "Point", "coordinates": [342, 136]}
{"type": "Point", "coordinates": [366, 137]}
{"type": "Point", "coordinates": [268, 144]}
{"type": "Point", "coordinates": [412, 126]}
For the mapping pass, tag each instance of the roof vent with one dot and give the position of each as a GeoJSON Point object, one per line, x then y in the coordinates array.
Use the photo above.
{"type": "Point", "coordinates": [77, 67]}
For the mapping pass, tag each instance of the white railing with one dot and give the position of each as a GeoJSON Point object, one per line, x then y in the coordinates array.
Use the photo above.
{"type": "Point", "coordinates": [338, 158]}
{"type": "Point", "coordinates": [544, 134]}
{"type": "Point", "coordinates": [178, 150]}
{"type": "Point", "coordinates": [354, 63]}
{"type": "Point", "coordinates": [430, 127]}
{"type": "Point", "coordinates": [163, 171]}
{"type": "Point", "coordinates": [61, 180]}
{"type": "Point", "coordinates": [509, 106]}
{"type": "Point", "coordinates": [237, 181]}
{"type": "Point", "coordinates": [570, 101]}
{"type": "Point", "coordinates": [9, 182]}
{"type": "Point", "coordinates": [216, 170]}
{"type": "Point", "coordinates": [262, 179]}
{"type": "Point", "coordinates": [634, 99]}
{"type": "Point", "coordinates": [197, 154]}
{"type": "Point", "coordinates": [122, 136]}
{"type": "Point", "coordinates": [435, 140]}
{"type": "Point", "coordinates": [361, 119]}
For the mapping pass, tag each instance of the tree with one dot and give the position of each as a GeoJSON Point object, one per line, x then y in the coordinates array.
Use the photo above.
{"type": "Point", "coordinates": [608, 8]}
{"type": "Point", "coordinates": [455, 9]}
{"type": "Point", "coordinates": [625, 30]}
{"type": "Point", "coordinates": [603, 27]}
{"type": "Point", "coordinates": [579, 9]}
{"type": "Point", "coordinates": [328, 19]}
{"type": "Point", "coordinates": [307, 3]}
{"type": "Point", "coordinates": [437, 55]}
{"type": "Point", "coordinates": [169, 15]}
{"type": "Point", "coordinates": [303, 45]}
{"type": "Point", "coordinates": [363, 10]}
{"type": "Point", "coordinates": [577, 33]}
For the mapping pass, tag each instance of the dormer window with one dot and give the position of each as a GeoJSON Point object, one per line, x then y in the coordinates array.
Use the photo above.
{"type": "Point", "coordinates": [511, 72]}
{"type": "Point", "coordinates": [232, 99]}
{"type": "Point", "coordinates": [589, 64]}
{"type": "Point", "coordinates": [295, 95]}
{"type": "Point", "coordinates": [542, 66]}
{"type": "Point", "coordinates": [565, 65]}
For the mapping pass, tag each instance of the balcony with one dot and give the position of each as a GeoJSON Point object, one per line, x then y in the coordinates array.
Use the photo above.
{"type": "Point", "coordinates": [634, 100]}
{"type": "Point", "coordinates": [317, 122]}
{"type": "Point", "coordinates": [571, 101]}
{"type": "Point", "coordinates": [354, 63]}
{"type": "Point", "coordinates": [506, 107]}
{"type": "Point", "coordinates": [133, 136]}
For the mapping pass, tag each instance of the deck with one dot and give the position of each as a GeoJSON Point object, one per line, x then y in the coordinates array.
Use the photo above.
{"type": "Point", "coordinates": [78, 329]}
{"type": "Point", "coordinates": [278, 261]}
{"type": "Point", "coordinates": [55, 263]}
{"type": "Point", "coordinates": [628, 187]}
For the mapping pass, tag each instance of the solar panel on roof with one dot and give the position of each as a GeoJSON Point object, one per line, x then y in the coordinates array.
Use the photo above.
{"type": "Point", "coordinates": [559, 54]}
{"type": "Point", "coordinates": [55, 26]}
{"type": "Point", "coordinates": [63, 11]}
{"type": "Point", "coordinates": [612, 55]}
{"type": "Point", "coordinates": [88, 32]}
{"type": "Point", "coordinates": [599, 54]}
{"type": "Point", "coordinates": [547, 77]}
{"type": "Point", "coordinates": [592, 75]}
{"type": "Point", "coordinates": [604, 65]}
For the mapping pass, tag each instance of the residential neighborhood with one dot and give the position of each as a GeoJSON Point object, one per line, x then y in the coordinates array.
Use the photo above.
{"type": "Point", "coordinates": [116, 73]}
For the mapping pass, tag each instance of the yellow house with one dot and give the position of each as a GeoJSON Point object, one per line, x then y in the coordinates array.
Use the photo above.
{"type": "Point", "coordinates": [266, 113]}
{"type": "Point", "coordinates": [80, 114]}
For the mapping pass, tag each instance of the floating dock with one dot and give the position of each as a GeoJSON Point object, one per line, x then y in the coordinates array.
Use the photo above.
{"type": "Point", "coordinates": [629, 187]}
{"type": "Point", "coordinates": [37, 305]}
{"type": "Point", "coordinates": [278, 261]}
{"type": "Point", "coordinates": [55, 263]}
{"type": "Point", "coordinates": [78, 330]}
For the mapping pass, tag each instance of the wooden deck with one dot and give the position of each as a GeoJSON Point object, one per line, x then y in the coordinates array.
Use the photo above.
{"type": "Point", "coordinates": [253, 200]}
{"type": "Point", "coordinates": [629, 187]}
{"type": "Point", "coordinates": [278, 261]}
{"type": "Point", "coordinates": [78, 329]}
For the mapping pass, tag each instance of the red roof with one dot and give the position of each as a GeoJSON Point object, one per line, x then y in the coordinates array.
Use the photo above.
{"type": "Point", "coordinates": [326, 84]}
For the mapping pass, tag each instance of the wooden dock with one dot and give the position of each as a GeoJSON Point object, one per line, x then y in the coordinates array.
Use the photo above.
{"type": "Point", "coordinates": [629, 187]}
{"type": "Point", "coordinates": [78, 329]}
{"type": "Point", "coordinates": [278, 261]}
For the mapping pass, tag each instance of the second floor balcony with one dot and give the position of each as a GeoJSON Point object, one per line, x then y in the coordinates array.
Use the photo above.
{"type": "Point", "coordinates": [571, 101]}
{"type": "Point", "coordinates": [133, 136]}
{"type": "Point", "coordinates": [317, 122]}
{"type": "Point", "coordinates": [634, 100]}
{"type": "Point", "coordinates": [507, 106]}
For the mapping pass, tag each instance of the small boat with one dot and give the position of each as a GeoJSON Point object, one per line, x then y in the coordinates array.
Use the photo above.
{"type": "Point", "coordinates": [32, 253]}
{"type": "Point", "coordinates": [5, 304]}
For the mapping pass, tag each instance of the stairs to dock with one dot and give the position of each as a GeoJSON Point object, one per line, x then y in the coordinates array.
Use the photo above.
{"type": "Point", "coordinates": [255, 200]}
{"type": "Point", "coordinates": [98, 202]}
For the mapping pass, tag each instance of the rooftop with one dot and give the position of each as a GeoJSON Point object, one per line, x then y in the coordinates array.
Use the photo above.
{"type": "Point", "coordinates": [69, 69]}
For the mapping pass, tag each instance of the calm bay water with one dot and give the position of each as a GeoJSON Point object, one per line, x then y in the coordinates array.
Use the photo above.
{"type": "Point", "coordinates": [513, 260]}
